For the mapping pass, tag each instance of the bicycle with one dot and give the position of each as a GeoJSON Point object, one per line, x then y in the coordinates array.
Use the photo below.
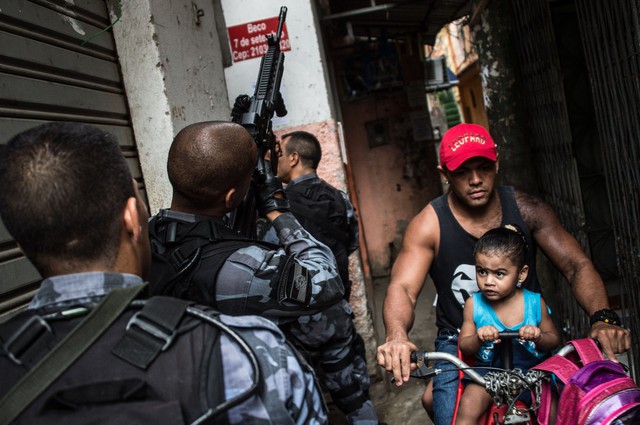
{"type": "Point", "coordinates": [504, 384]}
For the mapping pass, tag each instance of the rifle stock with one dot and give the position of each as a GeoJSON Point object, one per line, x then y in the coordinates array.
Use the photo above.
{"type": "Point", "coordinates": [256, 118]}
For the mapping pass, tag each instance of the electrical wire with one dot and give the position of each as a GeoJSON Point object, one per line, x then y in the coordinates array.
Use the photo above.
{"type": "Point", "coordinates": [107, 28]}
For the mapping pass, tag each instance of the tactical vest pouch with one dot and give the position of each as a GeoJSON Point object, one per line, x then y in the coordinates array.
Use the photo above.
{"type": "Point", "coordinates": [187, 258]}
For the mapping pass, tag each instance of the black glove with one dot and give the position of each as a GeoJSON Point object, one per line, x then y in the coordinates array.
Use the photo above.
{"type": "Point", "coordinates": [240, 106]}
{"type": "Point", "coordinates": [266, 190]}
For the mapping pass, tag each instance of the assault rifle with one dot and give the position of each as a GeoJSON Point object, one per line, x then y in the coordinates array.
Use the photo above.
{"type": "Point", "coordinates": [255, 114]}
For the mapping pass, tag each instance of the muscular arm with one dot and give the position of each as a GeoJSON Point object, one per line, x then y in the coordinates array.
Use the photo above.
{"type": "Point", "coordinates": [407, 279]}
{"type": "Point", "coordinates": [563, 250]}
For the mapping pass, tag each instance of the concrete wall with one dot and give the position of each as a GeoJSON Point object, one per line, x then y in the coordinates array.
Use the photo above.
{"type": "Point", "coordinates": [304, 83]}
{"type": "Point", "coordinates": [173, 75]}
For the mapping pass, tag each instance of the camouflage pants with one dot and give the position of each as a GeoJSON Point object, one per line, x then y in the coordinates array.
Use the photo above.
{"type": "Point", "coordinates": [328, 340]}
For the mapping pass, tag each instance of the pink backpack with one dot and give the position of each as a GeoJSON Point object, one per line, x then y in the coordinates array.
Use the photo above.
{"type": "Point", "coordinates": [599, 392]}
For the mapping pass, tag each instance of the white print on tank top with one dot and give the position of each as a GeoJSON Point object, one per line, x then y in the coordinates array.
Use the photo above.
{"type": "Point", "coordinates": [464, 282]}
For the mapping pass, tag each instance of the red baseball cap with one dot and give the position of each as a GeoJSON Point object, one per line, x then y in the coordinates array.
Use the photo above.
{"type": "Point", "coordinates": [465, 141]}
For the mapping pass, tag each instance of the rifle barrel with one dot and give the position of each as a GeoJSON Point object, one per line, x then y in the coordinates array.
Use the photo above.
{"type": "Point", "coordinates": [281, 18]}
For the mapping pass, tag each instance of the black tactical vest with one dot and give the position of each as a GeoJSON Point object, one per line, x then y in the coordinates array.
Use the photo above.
{"type": "Point", "coordinates": [186, 257]}
{"type": "Point", "coordinates": [321, 210]}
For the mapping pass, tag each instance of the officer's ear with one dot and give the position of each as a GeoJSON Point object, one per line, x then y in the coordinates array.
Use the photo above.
{"type": "Point", "coordinates": [231, 199]}
{"type": "Point", "coordinates": [131, 219]}
{"type": "Point", "coordinates": [294, 159]}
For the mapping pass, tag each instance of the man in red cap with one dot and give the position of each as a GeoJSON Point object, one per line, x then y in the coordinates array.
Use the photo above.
{"type": "Point", "coordinates": [440, 242]}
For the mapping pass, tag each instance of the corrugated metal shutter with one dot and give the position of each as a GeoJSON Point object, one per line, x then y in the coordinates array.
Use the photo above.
{"type": "Point", "coordinates": [46, 74]}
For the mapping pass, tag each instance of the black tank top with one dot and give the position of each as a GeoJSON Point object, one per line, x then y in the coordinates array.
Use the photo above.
{"type": "Point", "coordinates": [453, 270]}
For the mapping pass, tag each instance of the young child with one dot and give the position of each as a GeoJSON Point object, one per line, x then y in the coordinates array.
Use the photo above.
{"type": "Point", "coordinates": [501, 305]}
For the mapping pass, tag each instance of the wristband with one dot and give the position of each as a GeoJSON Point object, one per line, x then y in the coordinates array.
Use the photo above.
{"type": "Point", "coordinates": [607, 316]}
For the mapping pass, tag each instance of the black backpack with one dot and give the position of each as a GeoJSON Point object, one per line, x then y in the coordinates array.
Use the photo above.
{"type": "Point", "coordinates": [158, 363]}
{"type": "Point", "coordinates": [321, 210]}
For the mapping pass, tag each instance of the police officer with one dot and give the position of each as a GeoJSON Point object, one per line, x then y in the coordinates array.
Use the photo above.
{"type": "Point", "coordinates": [68, 199]}
{"type": "Point", "coordinates": [329, 338]}
{"type": "Point", "coordinates": [210, 167]}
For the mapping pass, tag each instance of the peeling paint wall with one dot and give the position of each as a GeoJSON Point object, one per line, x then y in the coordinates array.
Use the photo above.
{"type": "Point", "coordinates": [394, 181]}
{"type": "Point", "coordinates": [173, 75]}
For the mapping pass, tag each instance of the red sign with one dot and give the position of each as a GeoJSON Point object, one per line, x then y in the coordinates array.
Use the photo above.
{"type": "Point", "coordinates": [249, 40]}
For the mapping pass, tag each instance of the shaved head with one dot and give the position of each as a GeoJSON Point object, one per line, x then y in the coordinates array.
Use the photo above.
{"type": "Point", "coordinates": [208, 159]}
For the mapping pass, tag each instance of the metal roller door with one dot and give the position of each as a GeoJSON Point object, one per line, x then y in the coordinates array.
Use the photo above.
{"type": "Point", "coordinates": [47, 74]}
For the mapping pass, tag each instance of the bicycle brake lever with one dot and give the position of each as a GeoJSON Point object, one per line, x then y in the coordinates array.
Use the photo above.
{"type": "Point", "coordinates": [424, 371]}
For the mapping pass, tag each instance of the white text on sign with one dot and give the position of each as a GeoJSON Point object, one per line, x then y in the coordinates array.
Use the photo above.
{"type": "Point", "coordinates": [249, 40]}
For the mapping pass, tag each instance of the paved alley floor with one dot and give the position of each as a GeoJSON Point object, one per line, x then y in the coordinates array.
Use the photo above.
{"type": "Point", "coordinates": [401, 405]}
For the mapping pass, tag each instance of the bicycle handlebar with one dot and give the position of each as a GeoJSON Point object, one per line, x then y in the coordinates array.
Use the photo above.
{"type": "Point", "coordinates": [422, 357]}
{"type": "Point", "coordinates": [508, 334]}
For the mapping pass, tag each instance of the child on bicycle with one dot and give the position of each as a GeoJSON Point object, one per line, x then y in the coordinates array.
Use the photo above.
{"type": "Point", "coordinates": [502, 305]}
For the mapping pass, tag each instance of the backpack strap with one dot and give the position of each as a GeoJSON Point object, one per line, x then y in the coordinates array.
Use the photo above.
{"type": "Point", "coordinates": [151, 330]}
{"type": "Point", "coordinates": [65, 353]}
{"type": "Point", "coordinates": [27, 338]}
{"type": "Point", "coordinates": [560, 366]}
{"type": "Point", "coordinates": [188, 255]}
{"type": "Point", "coordinates": [563, 369]}
{"type": "Point", "coordinates": [154, 328]}
{"type": "Point", "coordinates": [183, 241]}
{"type": "Point", "coordinates": [587, 349]}
{"type": "Point", "coordinates": [178, 247]}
